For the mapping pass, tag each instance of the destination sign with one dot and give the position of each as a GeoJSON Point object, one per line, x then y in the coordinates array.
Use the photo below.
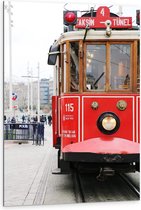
{"type": "Point", "coordinates": [103, 15]}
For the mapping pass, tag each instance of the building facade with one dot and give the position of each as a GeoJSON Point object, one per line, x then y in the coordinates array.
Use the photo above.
{"type": "Point", "coordinates": [44, 92]}
{"type": "Point", "coordinates": [23, 90]}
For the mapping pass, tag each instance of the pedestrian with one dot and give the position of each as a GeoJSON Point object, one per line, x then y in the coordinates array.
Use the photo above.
{"type": "Point", "coordinates": [5, 118]}
{"type": "Point", "coordinates": [8, 120]}
{"type": "Point", "coordinates": [49, 120]}
{"type": "Point", "coordinates": [23, 118]}
{"type": "Point", "coordinates": [45, 119]}
{"type": "Point", "coordinates": [28, 119]}
{"type": "Point", "coordinates": [42, 119]}
{"type": "Point", "coordinates": [36, 119]}
{"type": "Point", "coordinates": [13, 120]}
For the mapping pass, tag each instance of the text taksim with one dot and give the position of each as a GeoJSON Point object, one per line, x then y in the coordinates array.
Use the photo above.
{"type": "Point", "coordinates": [84, 22]}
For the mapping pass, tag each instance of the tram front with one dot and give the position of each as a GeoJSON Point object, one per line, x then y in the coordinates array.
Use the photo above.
{"type": "Point", "coordinates": [96, 102]}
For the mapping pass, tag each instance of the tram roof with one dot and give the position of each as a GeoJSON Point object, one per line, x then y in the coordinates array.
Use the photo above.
{"type": "Point", "coordinates": [99, 35]}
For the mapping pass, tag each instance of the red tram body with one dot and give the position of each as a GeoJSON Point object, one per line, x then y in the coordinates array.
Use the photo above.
{"type": "Point", "coordinates": [96, 106]}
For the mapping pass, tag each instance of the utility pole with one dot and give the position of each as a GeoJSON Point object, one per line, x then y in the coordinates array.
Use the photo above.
{"type": "Point", "coordinates": [38, 67]}
{"type": "Point", "coordinates": [8, 8]}
{"type": "Point", "coordinates": [28, 88]}
{"type": "Point", "coordinates": [10, 59]}
{"type": "Point", "coordinates": [31, 93]}
{"type": "Point", "coordinates": [28, 91]}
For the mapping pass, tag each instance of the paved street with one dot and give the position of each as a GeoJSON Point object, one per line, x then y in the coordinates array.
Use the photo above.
{"type": "Point", "coordinates": [28, 175]}
{"type": "Point", "coordinates": [28, 178]}
{"type": "Point", "coordinates": [23, 168]}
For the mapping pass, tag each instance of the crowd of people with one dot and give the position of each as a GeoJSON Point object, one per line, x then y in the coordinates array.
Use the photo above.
{"type": "Point", "coordinates": [43, 118]}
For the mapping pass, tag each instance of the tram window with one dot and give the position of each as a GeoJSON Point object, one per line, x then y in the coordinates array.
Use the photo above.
{"type": "Point", "coordinates": [53, 52]}
{"type": "Point", "coordinates": [74, 67]}
{"type": "Point", "coordinates": [95, 67]}
{"type": "Point", "coordinates": [120, 67]}
{"type": "Point", "coordinates": [64, 69]}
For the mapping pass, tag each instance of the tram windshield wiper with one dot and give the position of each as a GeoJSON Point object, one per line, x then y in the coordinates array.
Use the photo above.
{"type": "Point", "coordinates": [98, 80]}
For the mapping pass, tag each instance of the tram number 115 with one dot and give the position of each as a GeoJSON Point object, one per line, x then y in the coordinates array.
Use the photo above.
{"type": "Point", "coordinates": [69, 107]}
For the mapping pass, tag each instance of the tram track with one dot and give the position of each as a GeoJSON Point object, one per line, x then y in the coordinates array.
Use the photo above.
{"type": "Point", "coordinates": [116, 188]}
{"type": "Point", "coordinates": [78, 189]}
{"type": "Point", "coordinates": [132, 186]}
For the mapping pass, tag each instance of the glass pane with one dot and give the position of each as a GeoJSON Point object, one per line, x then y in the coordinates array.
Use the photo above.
{"type": "Point", "coordinates": [52, 57]}
{"type": "Point", "coordinates": [95, 67]}
{"type": "Point", "coordinates": [74, 67]}
{"type": "Point", "coordinates": [64, 65]}
{"type": "Point", "coordinates": [120, 67]}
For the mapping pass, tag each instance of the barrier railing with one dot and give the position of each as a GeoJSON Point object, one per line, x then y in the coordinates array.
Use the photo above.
{"type": "Point", "coordinates": [24, 131]}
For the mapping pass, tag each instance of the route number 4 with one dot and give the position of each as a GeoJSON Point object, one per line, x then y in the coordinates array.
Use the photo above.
{"type": "Point", "coordinates": [102, 12]}
{"type": "Point", "coordinates": [69, 107]}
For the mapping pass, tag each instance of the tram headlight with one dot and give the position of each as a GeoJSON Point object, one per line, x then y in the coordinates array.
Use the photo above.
{"type": "Point", "coordinates": [108, 123]}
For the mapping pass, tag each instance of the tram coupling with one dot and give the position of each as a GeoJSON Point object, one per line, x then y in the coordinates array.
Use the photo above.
{"type": "Point", "coordinates": [104, 172]}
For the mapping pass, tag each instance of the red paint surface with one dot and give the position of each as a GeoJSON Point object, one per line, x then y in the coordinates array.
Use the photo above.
{"type": "Point", "coordinates": [78, 124]}
{"type": "Point", "coordinates": [69, 120]}
{"type": "Point", "coordinates": [84, 118]}
{"type": "Point", "coordinates": [102, 146]}
{"type": "Point", "coordinates": [138, 120]}
{"type": "Point", "coordinates": [91, 116]}
{"type": "Point", "coordinates": [55, 119]}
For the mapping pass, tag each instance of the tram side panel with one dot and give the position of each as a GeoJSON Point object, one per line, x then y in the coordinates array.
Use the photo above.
{"type": "Point", "coordinates": [55, 120]}
{"type": "Point", "coordinates": [70, 120]}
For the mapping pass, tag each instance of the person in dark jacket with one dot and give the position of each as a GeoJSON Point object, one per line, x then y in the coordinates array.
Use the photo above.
{"type": "Point", "coordinates": [4, 118]}
{"type": "Point", "coordinates": [49, 119]}
{"type": "Point", "coordinates": [23, 118]}
{"type": "Point", "coordinates": [13, 120]}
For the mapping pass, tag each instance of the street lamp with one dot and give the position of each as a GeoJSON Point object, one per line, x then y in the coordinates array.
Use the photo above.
{"type": "Point", "coordinates": [38, 67]}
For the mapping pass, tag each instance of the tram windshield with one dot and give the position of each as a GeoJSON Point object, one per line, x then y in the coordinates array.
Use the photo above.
{"type": "Point", "coordinates": [95, 67]}
{"type": "Point", "coordinates": [74, 67]}
{"type": "Point", "coordinates": [120, 66]}
{"type": "Point", "coordinates": [108, 67]}
{"type": "Point", "coordinates": [100, 67]}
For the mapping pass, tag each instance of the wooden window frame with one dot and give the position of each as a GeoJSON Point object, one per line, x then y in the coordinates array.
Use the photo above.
{"type": "Point", "coordinates": [82, 66]}
{"type": "Point", "coordinates": [133, 66]}
{"type": "Point", "coordinates": [68, 80]}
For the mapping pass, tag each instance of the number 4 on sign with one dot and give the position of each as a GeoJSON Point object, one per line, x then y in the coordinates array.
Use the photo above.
{"type": "Point", "coordinates": [102, 12]}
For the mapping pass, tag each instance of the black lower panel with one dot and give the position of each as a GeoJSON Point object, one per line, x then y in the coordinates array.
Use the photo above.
{"type": "Point", "coordinates": [100, 158]}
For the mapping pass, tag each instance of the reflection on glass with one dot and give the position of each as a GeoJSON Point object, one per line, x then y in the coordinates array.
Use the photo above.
{"type": "Point", "coordinates": [95, 67]}
{"type": "Point", "coordinates": [120, 66]}
{"type": "Point", "coordinates": [74, 66]}
{"type": "Point", "coordinates": [64, 59]}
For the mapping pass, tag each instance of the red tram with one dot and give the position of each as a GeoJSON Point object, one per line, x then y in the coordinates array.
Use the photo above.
{"type": "Point", "coordinates": [96, 104]}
